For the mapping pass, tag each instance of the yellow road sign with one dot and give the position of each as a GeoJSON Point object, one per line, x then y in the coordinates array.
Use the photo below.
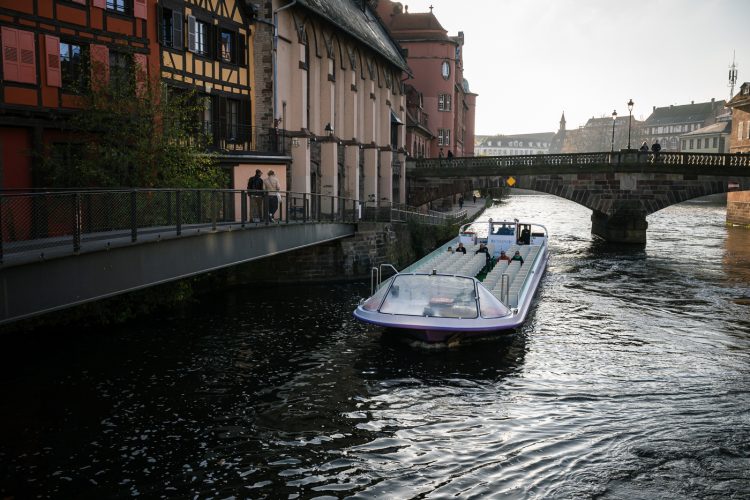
{"type": "Point", "coordinates": [510, 181]}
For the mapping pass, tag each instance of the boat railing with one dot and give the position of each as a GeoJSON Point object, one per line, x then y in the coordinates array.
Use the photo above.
{"type": "Point", "coordinates": [376, 276]}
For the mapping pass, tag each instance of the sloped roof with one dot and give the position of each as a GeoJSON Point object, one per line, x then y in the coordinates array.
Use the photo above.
{"type": "Point", "coordinates": [684, 113]}
{"type": "Point", "coordinates": [742, 98]}
{"type": "Point", "coordinates": [724, 127]}
{"type": "Point", "coordinates": [504, 139]}
{"type": "Point", "coordinates": [362, 24]}
{"type": "Point", "coordinates": [419, 25]}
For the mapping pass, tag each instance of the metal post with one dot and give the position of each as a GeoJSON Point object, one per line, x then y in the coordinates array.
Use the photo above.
{"type": "Point", "coordinates": [614, 119]}
{"type": "Point", "coordinates": [133, 216]}
{"type": "Point", "coordinates": [178, 211]}
{"type": "Point", "coordinates": [77, 222]}
{"type": "Point", "coordinates": [214, 209]}
{"type": "Point", "coordinates": [304, 207]}
{"type": "Point", "coordinates": [243, 207]}
{"type": "Point", "coordinates": [630, 119]}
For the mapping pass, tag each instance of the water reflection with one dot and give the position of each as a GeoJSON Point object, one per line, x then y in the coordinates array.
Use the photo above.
{"type": "Point", "coordinates": [631, 377]}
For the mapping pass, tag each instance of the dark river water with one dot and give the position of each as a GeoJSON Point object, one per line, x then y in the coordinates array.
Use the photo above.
{"type": "Point", "coordinates": [630, 379]}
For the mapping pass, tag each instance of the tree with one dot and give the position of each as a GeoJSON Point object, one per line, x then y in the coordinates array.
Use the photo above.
{"type": "Point", "coordinates": [132, 132]}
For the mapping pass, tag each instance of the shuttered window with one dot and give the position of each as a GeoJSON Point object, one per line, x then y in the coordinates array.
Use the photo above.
{"type": "Point", "coordinates": [73, 64]}
{"type": "Point", "coordinates": [19, 55]}
{"type": "Point", "coordinates": [140, 9]}
{"type": "Point", "coordinates": [198, 36]}
{"type": "Point", "coordinates": [171, 28]}
{"type": "Point", "coordinates": [99, 65]}
{"type": "Point", "coordinates": [52, 60]}
{"type": "Point", "coordinates": [141, 73]}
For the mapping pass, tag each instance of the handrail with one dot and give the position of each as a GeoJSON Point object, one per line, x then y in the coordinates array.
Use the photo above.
{"type": "Point", "coordinates": [65, 219]}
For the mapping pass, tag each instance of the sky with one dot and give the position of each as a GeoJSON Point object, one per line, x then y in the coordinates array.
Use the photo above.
{"type": "Point", "coordinates": [531, 60]}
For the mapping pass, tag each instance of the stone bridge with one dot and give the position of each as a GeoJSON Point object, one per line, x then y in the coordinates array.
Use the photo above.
{"type": "Point", "coordinates": [620, 188]}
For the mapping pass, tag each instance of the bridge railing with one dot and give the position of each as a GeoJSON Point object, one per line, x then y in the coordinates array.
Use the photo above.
{"type": "Point", "coordinates": [583, 159]}
{"type": "Point", "coordinates": [69, 220]}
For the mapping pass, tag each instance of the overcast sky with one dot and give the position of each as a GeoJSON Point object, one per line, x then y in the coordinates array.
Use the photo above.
{"type": "Point", "coordinates": [530, 60]}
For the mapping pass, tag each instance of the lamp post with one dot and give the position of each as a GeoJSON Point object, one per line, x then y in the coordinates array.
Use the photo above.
{"type": "Point", "coordinates": [328, 129]}
{"type": "Point", "coordinates": [614, 119]}
{"type": "Point", "coordinates": [630, 119]}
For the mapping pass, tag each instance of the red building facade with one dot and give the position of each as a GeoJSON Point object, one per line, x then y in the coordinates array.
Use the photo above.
{"type": "Point", "coordinates": [436, 61]}
{"type": "Point", "coordinates": [49, 48]}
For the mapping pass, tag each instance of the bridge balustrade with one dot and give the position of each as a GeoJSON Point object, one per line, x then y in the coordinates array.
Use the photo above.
{"type": "Point", "coordinates": [584, 159]}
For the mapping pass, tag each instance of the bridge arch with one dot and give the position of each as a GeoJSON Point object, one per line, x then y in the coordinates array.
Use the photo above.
{"type": "Point", "coordinates": [621, 189]}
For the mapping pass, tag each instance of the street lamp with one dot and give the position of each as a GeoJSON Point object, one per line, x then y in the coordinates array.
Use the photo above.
{"type": "Point", "coordinates": [630, 119]}
{"type": "Point", "coordinates": [614, 119]}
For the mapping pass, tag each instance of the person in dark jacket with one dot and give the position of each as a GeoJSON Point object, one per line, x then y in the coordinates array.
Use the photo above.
{"type": "Point", "coordinates": [255, 192]}
{"type": "Point", "coordinates": [461, 248]}
{"type": "Point", "coordinates": [655, 148]}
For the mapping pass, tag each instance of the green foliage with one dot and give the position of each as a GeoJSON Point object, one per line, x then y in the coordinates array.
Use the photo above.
{"type": "Point", "coordinates": [425, 238]}
{"type": "Point", "coordinates": [132, 132]}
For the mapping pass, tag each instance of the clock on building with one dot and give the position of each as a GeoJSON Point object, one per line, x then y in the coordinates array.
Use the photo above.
{"type": "Point", "coordinates": [446, 70]}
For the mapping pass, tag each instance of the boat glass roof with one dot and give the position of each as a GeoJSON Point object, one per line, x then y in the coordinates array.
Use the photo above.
{"type": "Point", "coordinates": [434, 296]}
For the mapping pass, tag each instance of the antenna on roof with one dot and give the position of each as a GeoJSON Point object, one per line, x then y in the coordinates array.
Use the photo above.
{"type": "Point", "coordinates": [732, 77]}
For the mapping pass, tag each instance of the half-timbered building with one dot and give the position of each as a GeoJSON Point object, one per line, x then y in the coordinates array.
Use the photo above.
{"type": "Point", "coordinates": [49, 48]}
{"type": "Point", "coordinates": [206, 46]}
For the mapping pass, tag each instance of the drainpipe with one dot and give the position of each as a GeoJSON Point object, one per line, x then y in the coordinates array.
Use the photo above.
{"type": "Point", "coordinates": [275, 58]}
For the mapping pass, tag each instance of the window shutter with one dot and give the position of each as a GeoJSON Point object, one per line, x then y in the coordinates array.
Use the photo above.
{"type": "Point", "coordinates": [191, 33]}
{"type": "Point", "coordinates": [141, 73]}
{"type": "Point", "coordinates": [27, 57]}
{"type": "Point", "coordinates": [52, 52]}
{"type": "Point", "coordinates": [241, 57]}
{"type": "Point", "coordinates": [11, 66]}
{"type": "Point", "coordinates": [177, 40]}
{"type": "Point", "coordinates": [102, 4]}
{"type": "Point", "coordinates": [140, 9]}
{"type": "Point", "coordinates": [99, 65]}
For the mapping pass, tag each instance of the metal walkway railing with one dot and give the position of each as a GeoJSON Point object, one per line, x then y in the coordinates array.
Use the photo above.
{"type": "Point", "coordinates": [72, 221]}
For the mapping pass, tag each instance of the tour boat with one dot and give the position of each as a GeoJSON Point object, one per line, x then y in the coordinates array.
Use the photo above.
{"type": "Point", "coordinates": [449, 295]}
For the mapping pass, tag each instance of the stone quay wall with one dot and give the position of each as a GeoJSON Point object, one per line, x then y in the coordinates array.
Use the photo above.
{"type": "Point", "coordinates": [347, 259]}
{"type": "Point", "coordinates": [738, 208]}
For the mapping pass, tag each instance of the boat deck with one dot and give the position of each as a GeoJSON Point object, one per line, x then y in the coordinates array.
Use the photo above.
{"type": "Point", "coordinates": [473, 265]}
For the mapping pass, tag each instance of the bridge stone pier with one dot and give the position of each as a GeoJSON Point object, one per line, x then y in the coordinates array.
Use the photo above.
{"type": "Point", "coordinates": [621, 189]}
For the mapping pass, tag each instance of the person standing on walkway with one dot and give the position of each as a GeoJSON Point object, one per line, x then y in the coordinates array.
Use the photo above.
{"type": "Point", "coordinates": [655, 148]}
{"type": "Point", "coordinates": [271, 184]}
{"type": "Point", "coordinates": [255, 193]}
{"type": "Point", "coordinates": [461, 202]}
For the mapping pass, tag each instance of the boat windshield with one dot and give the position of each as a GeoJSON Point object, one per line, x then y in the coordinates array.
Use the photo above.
{"type": "Point", "coordinates": [432, 296]}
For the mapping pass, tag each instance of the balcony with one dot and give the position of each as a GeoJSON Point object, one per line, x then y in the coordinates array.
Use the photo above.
{"type": "Point", "coordinates": [221, 136]}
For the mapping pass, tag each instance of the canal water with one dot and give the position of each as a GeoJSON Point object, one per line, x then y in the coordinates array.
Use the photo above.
{"type": "Point", "coordinates": [630, 379]}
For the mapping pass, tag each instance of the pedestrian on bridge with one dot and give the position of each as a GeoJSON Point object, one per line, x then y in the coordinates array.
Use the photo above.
{"type": "Point", "coordinates": [655, 148]}
{"type": "Point", "coordinates": [255, 192]}
{"type": "Point", "coordinates": [271, 184]}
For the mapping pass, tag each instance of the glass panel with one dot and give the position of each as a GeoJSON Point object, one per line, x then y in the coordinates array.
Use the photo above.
{"type": "Point", "coordinates": [431, 295]}
{"type": "Point", "coordinates": [490, 306]}
{"type": "Point", "coordinates": [373, 302]}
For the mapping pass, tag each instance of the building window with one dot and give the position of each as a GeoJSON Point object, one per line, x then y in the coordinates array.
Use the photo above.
{"type": "Point", "coordinates": [444, 137]}
{"type": "Point", "coordinates": [739, 131]}
{"type": "Point", "coordinates": [228, 46]}
{"type": "Point", "coordinates": [171, 28]}
{"type": "Point", "coordinates": [198, 36]}
{"type": "Point", "coordinates": [121, 75]}
{"type": "Point", "coordinates": [229, 116]}
{"type": "Point", "coordinates": [444, 102]}
{"type": "Point", "coordinates": [120, 6]}
{"type": "Point", "coordinates": [682, 144]}
{"type": "Point", "coordinates": [208, 109]}
{"type": "Point", "coordinates": [72, 66]}
{"type": "Point", "coordinates": [691, 143]}
{"type": "Point", "coordinates": [715, 142]}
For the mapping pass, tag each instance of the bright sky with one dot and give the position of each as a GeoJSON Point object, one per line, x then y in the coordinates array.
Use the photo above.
{"type": "Point", "coordinates": [530, 60]}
